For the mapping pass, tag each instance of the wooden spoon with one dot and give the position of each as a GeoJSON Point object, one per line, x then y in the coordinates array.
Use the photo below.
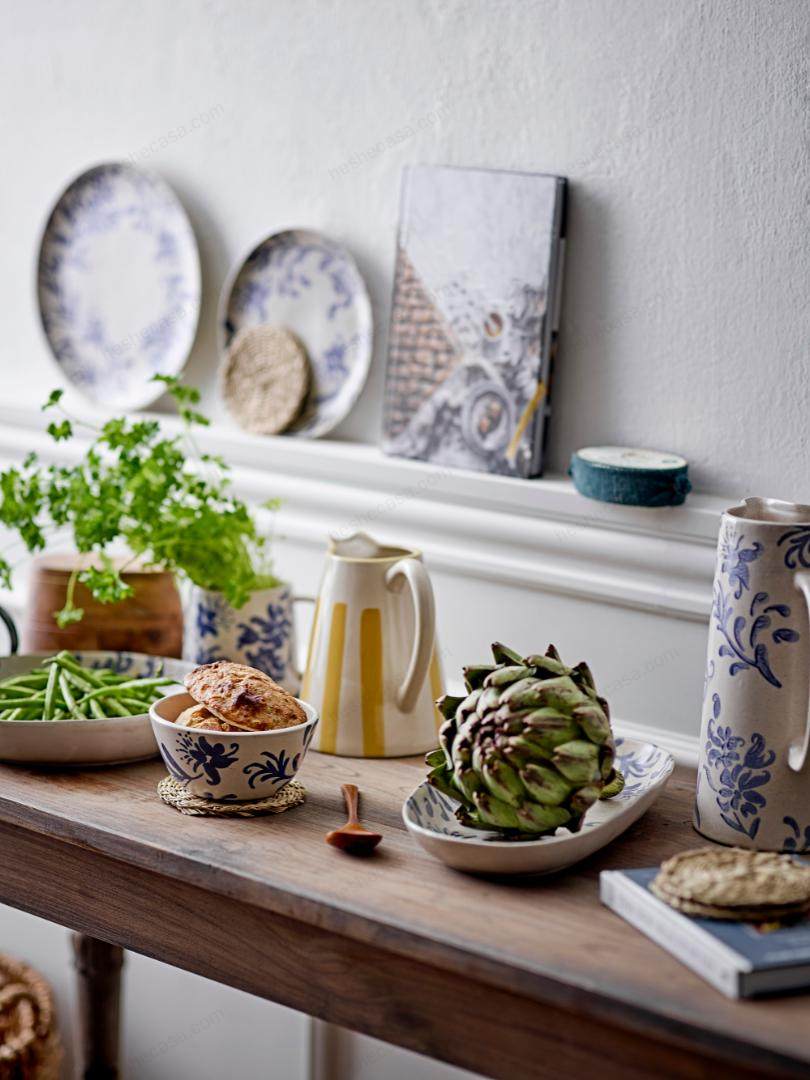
{"type": "Point", "coordinates": [352, 837]}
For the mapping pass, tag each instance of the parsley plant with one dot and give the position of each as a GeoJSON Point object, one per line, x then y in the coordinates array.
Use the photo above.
{"type": "Point", "coordinates": [137, 486]}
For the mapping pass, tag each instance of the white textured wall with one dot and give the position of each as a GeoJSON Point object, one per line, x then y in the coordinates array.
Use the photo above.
{"type": "Point", "coordinates": [682, 126]}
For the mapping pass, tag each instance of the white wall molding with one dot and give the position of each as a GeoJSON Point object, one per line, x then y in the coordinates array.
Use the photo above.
{"type": "Point", "coordinates": [537, 534]}
{"type": "Point", "coordinates": [684, 748]}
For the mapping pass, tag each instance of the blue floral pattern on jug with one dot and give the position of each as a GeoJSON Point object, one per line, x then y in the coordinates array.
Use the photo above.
{"type": "Point", "coordinates": [736, 773]}
{"type": "Point", "coordinates": [643, 766]}
{"type": "Point", "coordinates": [743, 641]}
{"type": "Point", "coordinates": [797, 547]}
{"type": "Point", "coordinates": [798, 839]}
{"type": "Point", "coordinates": [140, 212]}
{"type": "Point", "coordinates": [736, 559]}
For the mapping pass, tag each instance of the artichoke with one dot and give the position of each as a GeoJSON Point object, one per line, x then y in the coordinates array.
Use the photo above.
{"type": "Point", "coordinates": [529, 748]}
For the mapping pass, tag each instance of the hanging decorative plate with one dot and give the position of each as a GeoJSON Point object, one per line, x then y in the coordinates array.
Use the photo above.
{"type": "Point", "coordinates": [430, 818]}
{"type": "Point", "coordinates": [118, 284]}
{"type": "Point", "coordinates": [304, 282]}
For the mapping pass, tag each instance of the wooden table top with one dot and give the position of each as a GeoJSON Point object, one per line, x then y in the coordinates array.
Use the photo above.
{"type": "Point", "coordinates": [85, 848]}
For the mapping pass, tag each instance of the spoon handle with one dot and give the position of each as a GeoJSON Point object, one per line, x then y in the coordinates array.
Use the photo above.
{"type": "Point", "coordinates": [350, 797]}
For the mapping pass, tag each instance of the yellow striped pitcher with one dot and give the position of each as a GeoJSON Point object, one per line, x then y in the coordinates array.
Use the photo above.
{"type": "Point", "coordinates": [373, 670]}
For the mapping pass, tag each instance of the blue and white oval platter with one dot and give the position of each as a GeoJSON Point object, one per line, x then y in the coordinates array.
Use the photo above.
{"type": "Point", "coordinates": [429, 817]}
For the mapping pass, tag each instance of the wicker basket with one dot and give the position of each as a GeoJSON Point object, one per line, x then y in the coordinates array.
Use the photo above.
{"type": "Point", "coordinates": [29, 1042]}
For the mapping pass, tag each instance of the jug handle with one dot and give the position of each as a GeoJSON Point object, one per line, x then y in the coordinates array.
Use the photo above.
{"type": "Point", "coordinates": [8, 622]}
{"type": "Point", "coordinates": [413, 572]}
{"type": "Point", "coordinates": [797, 751]}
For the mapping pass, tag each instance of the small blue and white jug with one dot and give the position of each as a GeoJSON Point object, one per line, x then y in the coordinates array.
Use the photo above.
{"type": "Point", "coordinates": [754, 777]}
{"type": "Point", "coordinates": [260, 634]}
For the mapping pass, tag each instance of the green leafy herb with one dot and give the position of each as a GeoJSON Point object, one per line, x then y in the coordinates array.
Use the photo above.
{"type": "Point", "coordinates": [172, 506]}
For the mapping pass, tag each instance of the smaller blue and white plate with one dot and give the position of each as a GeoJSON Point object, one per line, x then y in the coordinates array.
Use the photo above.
{"type": "Point", "coordinates": [118, 284]}
{"type": "Point", "coordinates": [304, 282]}
{"type": "Point", "coordinates": [430, 818]}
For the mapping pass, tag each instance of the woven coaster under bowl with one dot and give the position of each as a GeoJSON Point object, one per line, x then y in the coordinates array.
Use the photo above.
{"type": "Point", "coordinates": [174, 794]}
{"type": "Point", "coordinates": [265, 378]}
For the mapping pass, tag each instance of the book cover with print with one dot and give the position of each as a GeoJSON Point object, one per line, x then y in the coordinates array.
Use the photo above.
{"type": "Point", "coordinates": [474, 318]}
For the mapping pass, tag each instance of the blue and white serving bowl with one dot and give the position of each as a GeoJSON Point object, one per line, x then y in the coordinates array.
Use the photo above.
{"type": "Point", "coordinates": [229, 766]}
{"type": "Point", "coordinates": [429, 817]}
{"type": "Point", "coordinates": [110, 741]}
{"type": "Point", "coordinates": [118, 284]}
{"type": "Point", "coordinates": [305, 282]}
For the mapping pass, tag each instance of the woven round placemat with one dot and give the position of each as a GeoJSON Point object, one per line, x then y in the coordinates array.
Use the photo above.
{"type": "Point", "coordinates": [265, 378]}
{"type": "Point", "coordinates": [174, 794]}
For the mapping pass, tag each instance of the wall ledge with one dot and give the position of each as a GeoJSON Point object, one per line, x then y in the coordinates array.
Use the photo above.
{"type": "Point", "coordinates": [540, 534]}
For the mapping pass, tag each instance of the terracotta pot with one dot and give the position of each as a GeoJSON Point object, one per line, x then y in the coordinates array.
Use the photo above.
{"type": "Point", "coordinates": [150, 621]}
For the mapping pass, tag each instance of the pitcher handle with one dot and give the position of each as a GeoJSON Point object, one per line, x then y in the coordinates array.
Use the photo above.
{"type": "Point", "coordinates": [413, 572]}
{"type": "Point", "coordinates": [797, 751]}
{"type": "Point", "coordinates": [8, 622]}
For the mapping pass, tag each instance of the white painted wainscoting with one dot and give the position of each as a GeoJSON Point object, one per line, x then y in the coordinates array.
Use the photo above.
{"type": "Point", "coordinates": [526, 562]}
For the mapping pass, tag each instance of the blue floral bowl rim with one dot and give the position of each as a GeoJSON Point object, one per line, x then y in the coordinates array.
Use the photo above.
{"type": "Point", "coordinates": [160, 721]}
{"type": "Point", "coordinates": [411, 825]}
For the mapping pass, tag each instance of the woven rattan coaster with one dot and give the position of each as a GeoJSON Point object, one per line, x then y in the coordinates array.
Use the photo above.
{"type": "Point", "coordinates": [174, 794]}
{"type": "Point", "coordinates": [265, 378]}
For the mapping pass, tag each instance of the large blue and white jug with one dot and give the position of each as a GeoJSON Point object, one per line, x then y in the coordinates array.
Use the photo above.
{"type": "Point", "coordinates": [754, 777]}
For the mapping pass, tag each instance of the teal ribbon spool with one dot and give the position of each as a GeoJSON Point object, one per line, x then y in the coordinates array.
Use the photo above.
{"type": "Point", "coordinates": [620, 474]}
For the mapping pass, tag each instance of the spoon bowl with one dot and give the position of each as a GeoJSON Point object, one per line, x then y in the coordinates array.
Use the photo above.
{"type": "Point", "coordinates": [353, 837]}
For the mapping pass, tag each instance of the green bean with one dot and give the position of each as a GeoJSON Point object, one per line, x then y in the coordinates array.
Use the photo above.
{"type": "Point", "coordinates": [70, 701]}
{"type": "Point", "coordinates": [13, 696]}
{"type": "Point", "coordinates": [78, 681]}
{"type": "Point", "coordinates": [29, 686]}
{"type": "Point", "coordinates": [69, 663]}
{"type": "Point", "coordinates": [131, 684]}
{"type": "Point", "coordinates": [36, 699]}
{"type": "Point", "coordinates": [136, 706]}
{"type": "Point", "coordinates": [50, 693]}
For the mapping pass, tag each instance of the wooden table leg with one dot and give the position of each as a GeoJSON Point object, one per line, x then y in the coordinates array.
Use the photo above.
{"type": "Point", "coordinates": [98, 966]}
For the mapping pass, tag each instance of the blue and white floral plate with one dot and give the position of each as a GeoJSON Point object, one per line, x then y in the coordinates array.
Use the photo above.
{"type": "Point", "coordinates": [305, 282]}
{"type": "Point", "coordinates": [430, 818]}
{"type": "Point", "coordinates": [118, 284]}
{"type": "Point", "coordinates": [86, 742]}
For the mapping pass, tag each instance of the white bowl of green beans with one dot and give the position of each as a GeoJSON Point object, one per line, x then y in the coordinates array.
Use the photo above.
{"type": "Point", "coordinates": [82, 708]}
